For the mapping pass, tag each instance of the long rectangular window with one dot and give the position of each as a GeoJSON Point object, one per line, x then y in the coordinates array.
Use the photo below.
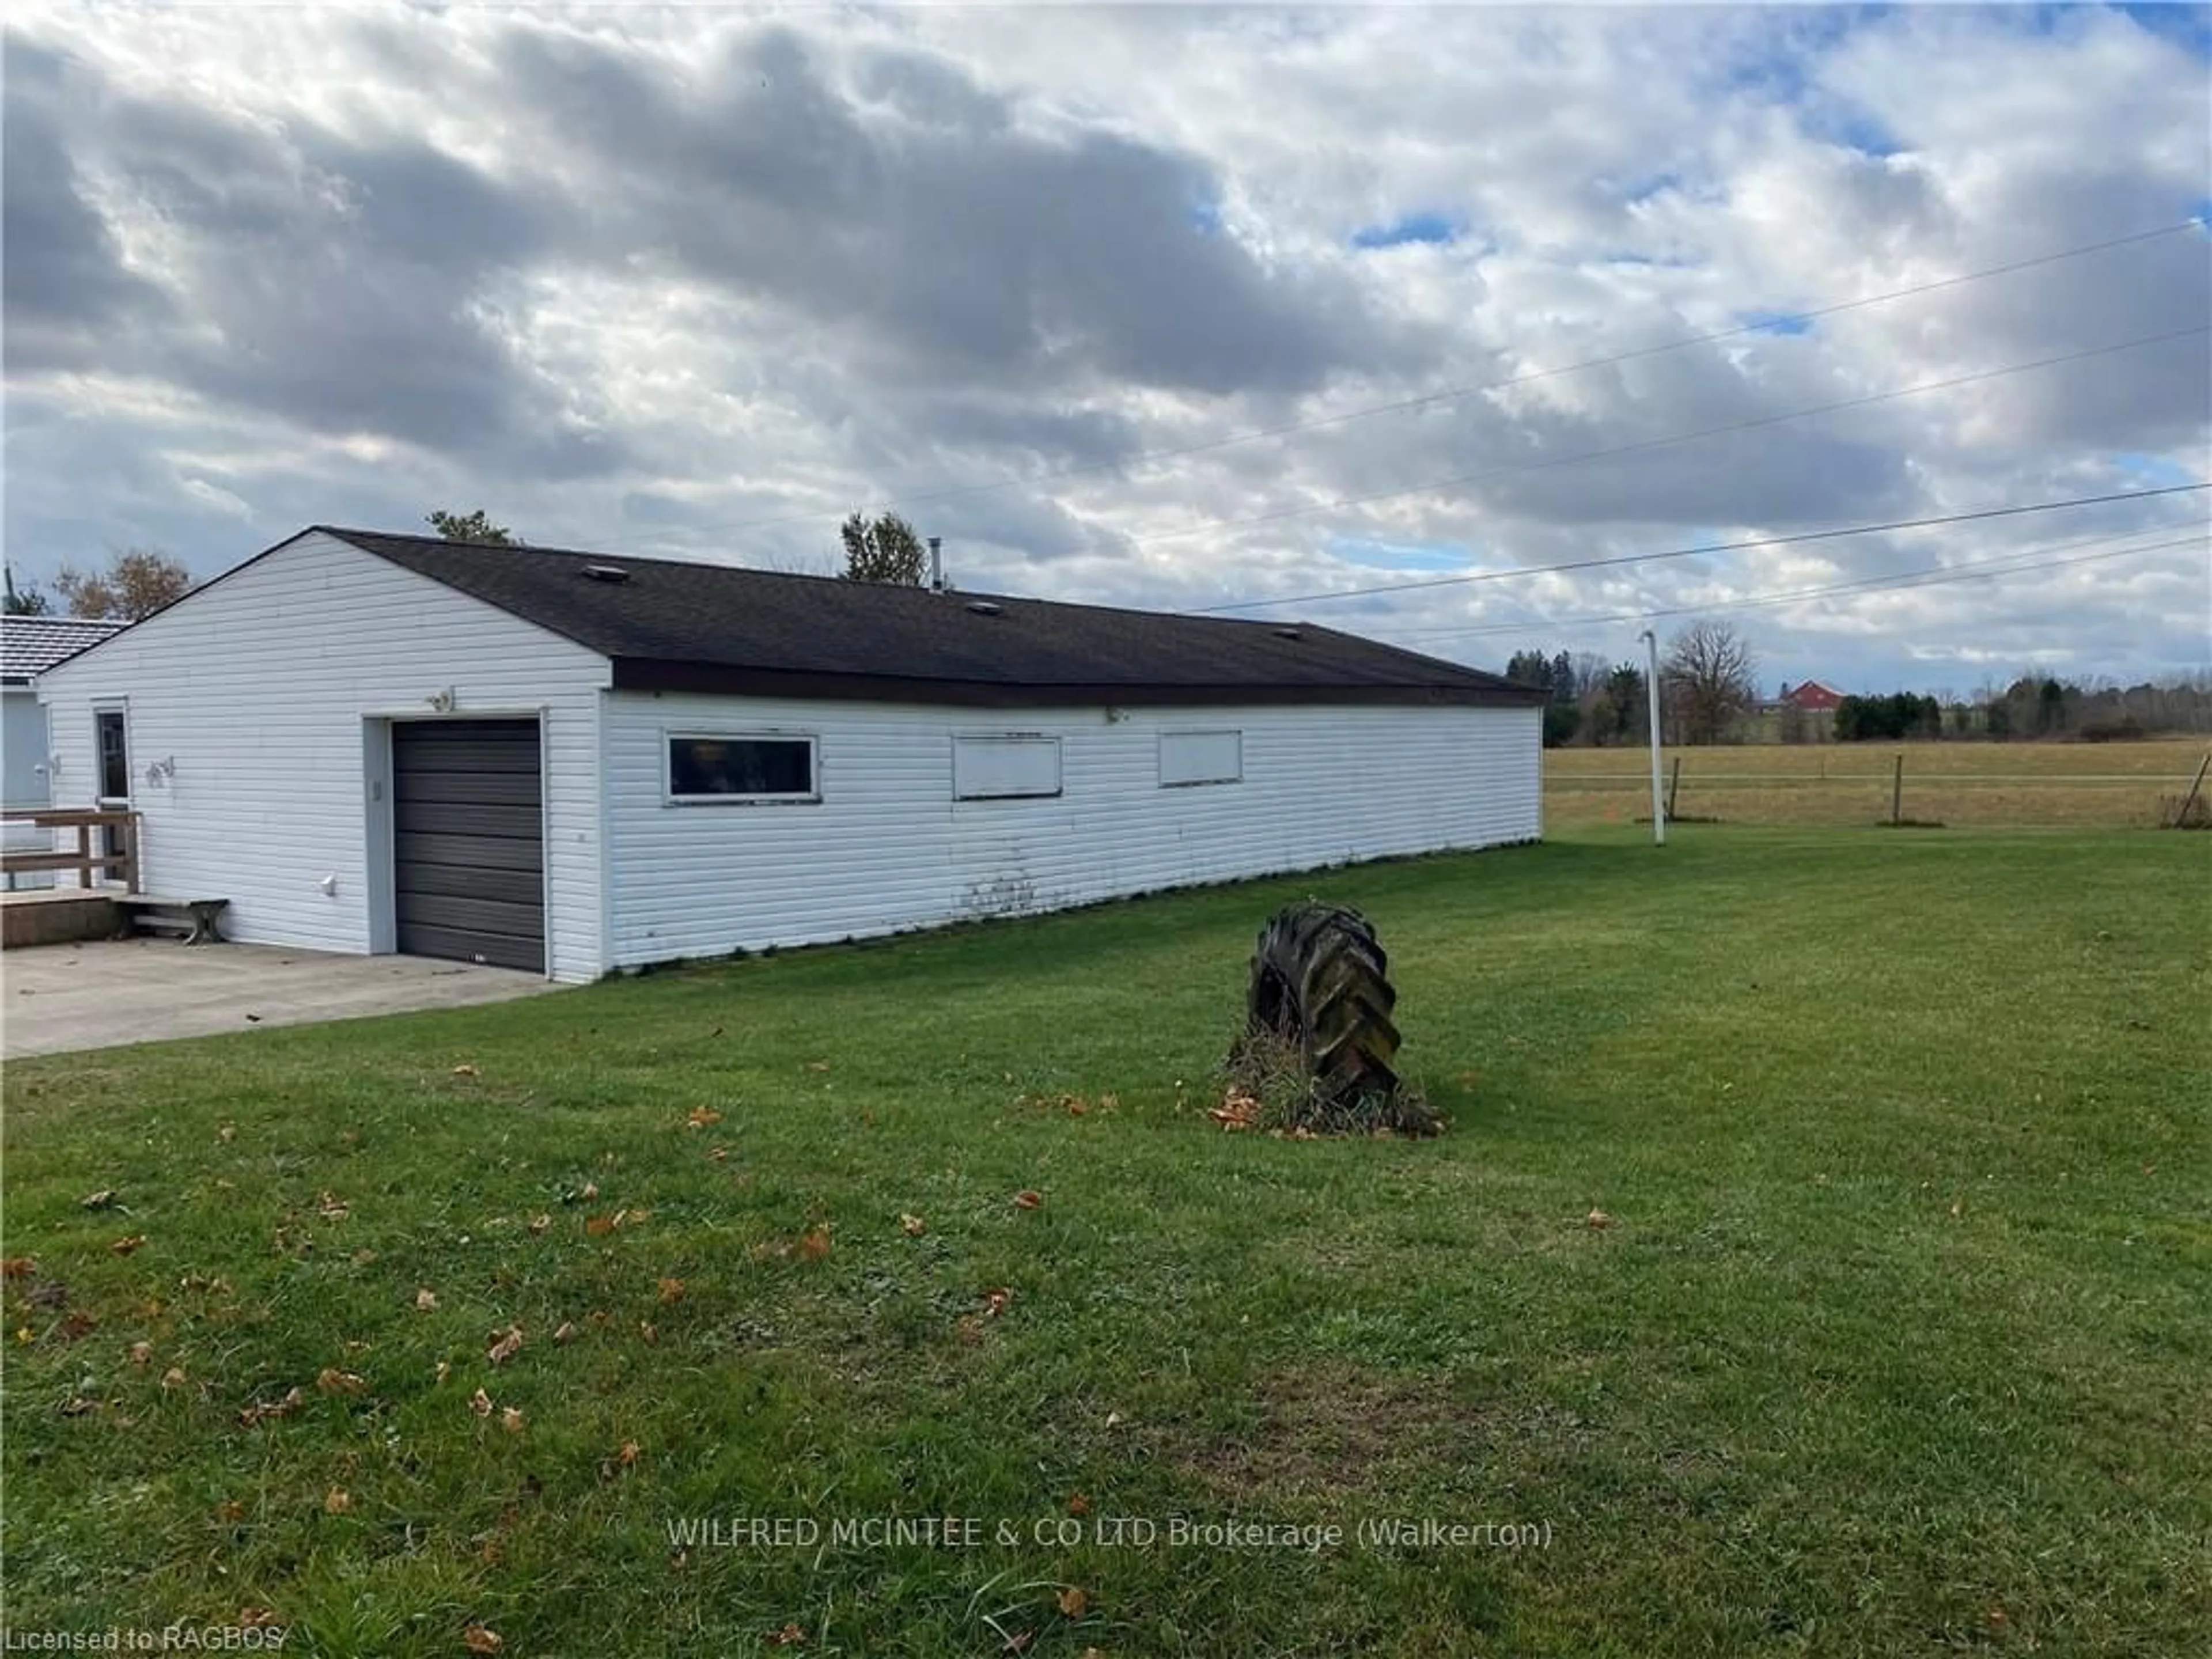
{"type": "Point", "coordinates": [709, 769]}
{"type": "Point", "coordinates": [1005, 768]}
{"type": "Point", "coordinates": [1189, 757]}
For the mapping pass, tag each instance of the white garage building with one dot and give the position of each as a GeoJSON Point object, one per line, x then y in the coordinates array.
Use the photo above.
{"type": "Point", "coordinates": [572, 762]}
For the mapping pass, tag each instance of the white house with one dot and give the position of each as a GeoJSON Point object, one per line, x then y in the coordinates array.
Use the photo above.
{"type": "Point", "coordinates": [28, 646]}
{"type": "Point", "coordinates": [572, 763]}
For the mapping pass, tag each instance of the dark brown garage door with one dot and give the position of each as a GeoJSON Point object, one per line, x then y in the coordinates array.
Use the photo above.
{"type": "Point", "coordinates": [469, 840]}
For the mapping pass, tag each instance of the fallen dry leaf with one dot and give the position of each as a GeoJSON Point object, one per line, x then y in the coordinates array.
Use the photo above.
{"type": "Point", "coordinates": [337, 1501]}
{"type": "Point", "coordinates": [1073, 1603]}
{"type": "Point", "coordinates": [99, 1201]}
{"type": "Point", "coordinates": [815, 1244]}
{"type": "Point", "coordinates": [77, 1405]}
{"type": "Point", "coordinates": [332, 1207]}
{"type": "Point", "coordinates": [79, 1324]}
{"type": "Point", "coordinates": [362, 1258]}
{"type": "Point", "coordinates": [1113, 1419]}
{"type": "Point", "coordinates": [480, 1403]}
{"type": "Point", "coordinates": [258, 1413]}
{"type": "Point", "coordinates": [968, 1329]}
{"type": "Point", "coordinates": [703, 1116]}
{"type": "Point", "coordinates": [539, 1224]}
{"type": "Point", "coordinates": [504, 1348]}
{"type": "Point", "coordinates": [997, 1302]}
{"type": "Point", "coordinates": [255, 1617]}
{"type": "Point", "coordinates": [566, 1333]}
{"type": "Point", "coordinates": [672, 1290]}
{"type": "Point", "coordinates": [332, 1381]}
{"type": "Point", "coordinates": [126, 1246]}
{"type": "Point", "coordinates": [173, 1378]}
{"type": "Point", "coordinates": [1020, 1641]}
{"type": "Point", "coordinates": [629, 1452]}
{"type": "Point", "coordinates": [818, 1065]}
{"type": "Point", "coordinates": [1237, 1110]}
{"type": "Point", "coordinates": [466, 1070]}
{"type": "Point", "coordinates": [479, 1638]}
{"type": "Point", "coordinates": [228, 1132]}
{"type": "Point", "coordinates": [1958, 1208]}
{"type": "Point", "coordinates": [591, 1190]}
{"type": "Point", "coordinates": [1028, 1200]}
{"type": "Point", "coordinates": [510, 1419]}
{"type": "Point", "coordinates": [1599, 1218]}
{"type": "Point", "coordinates": [1078, 1505]}
{"type": "Point", "coordinates": [716, 1154]}
{"type": "Point", "coordinates": [648, 1333]}
{"type": "Point", "coordinates": [445, 1368]}
{"type": "Point", "coordinates": [789, 1637]}
{"type": "Point", "coordinates": [142, 1353]}
{"type": "Point", "coordinates": [19, 1266]}
{"type": "Point", "coordinates": [599, 1226]}
{"type": "Point", "coordinates": [425, 1300]}
{"type": "Point", "coordinates": [230, 1509]}
{"type": "Point", "coordinates": [913, 1225]}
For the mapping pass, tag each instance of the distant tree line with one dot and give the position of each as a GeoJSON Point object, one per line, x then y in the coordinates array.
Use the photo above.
{"type": "Point", "coordinates": [1709, 695]}
{"type": "Point", "coordinates": [1706, 689]}
{"type": "Point", "coordinates": [2035, 708]}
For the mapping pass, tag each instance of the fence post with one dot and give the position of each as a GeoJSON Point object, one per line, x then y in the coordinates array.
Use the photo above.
{"type": "Point", "coordinates": [1897, 792]}
{"type": "Point", "coordinates": [2181, 818]}
{"type": "Point", "coordinates": [1673, 786]}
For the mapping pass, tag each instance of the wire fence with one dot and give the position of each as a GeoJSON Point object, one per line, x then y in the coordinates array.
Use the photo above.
{"type": "Point", "coordinates": [1895, 788]}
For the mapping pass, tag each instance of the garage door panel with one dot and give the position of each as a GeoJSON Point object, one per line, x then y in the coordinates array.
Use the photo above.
{"type": "Point", "coordinates": [453, 945]}
{"type": "Point", "coordinates": [468, 788]}
{"type": "Point", "coordinates": [474, 915]}
{"type": "Point", "coordinates": [431, 818]}
{"type": "Point", "coordinates": [473, 756]}
{"type": "Point", "coordinates": [469, 854]}
{"type": "Point", "coordinates": [467, 881]}
{"type": "Point", "coordinates": [470, 851]}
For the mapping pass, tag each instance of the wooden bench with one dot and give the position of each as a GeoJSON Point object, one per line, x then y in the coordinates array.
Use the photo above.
{"type": "Point", "coordinates": [198, 920]}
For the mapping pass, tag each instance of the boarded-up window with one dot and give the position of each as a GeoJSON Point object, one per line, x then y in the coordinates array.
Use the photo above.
{"type": "Point", "coordinates": [1187, 757]}
{"type": "Point", "coordinates": [1004, 768]}
{"type": "Point", "coordinates": [741, 768]}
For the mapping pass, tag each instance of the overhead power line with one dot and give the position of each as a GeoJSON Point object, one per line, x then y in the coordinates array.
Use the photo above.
{"type": "Point", "coordinates": [1640, 446]}
{"type": "Point", "coordinates": [1930, 576]}
{"type": "Point", "coordinates": [1766, 323]}
{"type": "Point", "coordinates": [1704, 548]}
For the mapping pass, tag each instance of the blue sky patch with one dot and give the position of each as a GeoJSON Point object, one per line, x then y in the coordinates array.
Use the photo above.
{"type": "Point", "coordinates": [2154, 471]}
{"type": "Point", "coordinates": [1774, 322]}
{"type": "Point", "coordinates": [1432, 227]}
{"type": "Point", "coordinates": [1397, 556]}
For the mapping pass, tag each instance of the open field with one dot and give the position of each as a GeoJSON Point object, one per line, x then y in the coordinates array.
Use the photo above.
{"type": "Point", "coordinates": [1894, 1341]}
{"type": "Point", "coordinates": [1960, 785]}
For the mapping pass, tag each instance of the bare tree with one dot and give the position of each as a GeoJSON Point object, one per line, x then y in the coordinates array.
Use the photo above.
{"type": "Point", "coordinates": [1711, 677]}
{"type": "Point", "coordinates": [137, 583]}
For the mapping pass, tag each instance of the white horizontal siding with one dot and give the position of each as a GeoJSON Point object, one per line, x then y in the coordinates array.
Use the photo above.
{"type": "Point", "coordinates": [260, 685]}
{"type": "Point", "coordinates": [888, 847]}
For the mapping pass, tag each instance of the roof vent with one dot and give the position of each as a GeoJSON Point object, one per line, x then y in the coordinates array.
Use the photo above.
{"type": "Point", "coordinates": [982, 608]}
{"type": "Point", "coordinates": [1288, 633]}
{"type": "Point", "coordinates": [606, 572]}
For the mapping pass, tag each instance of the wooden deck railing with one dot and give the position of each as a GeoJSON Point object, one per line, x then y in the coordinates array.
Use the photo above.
{"type": "Point", "coordinates": [88, 858]}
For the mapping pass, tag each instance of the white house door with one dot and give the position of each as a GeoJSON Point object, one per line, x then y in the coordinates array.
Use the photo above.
{"type": "Point", "coordinates": [112, 731]}
{"type": "Point", "coordinates": [468, 841]}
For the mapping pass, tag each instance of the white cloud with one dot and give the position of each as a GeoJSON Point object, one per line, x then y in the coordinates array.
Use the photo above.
{"type": "Point", "coordinates": [702, 282]}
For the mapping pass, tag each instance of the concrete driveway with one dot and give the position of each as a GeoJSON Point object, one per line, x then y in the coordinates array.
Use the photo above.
{"type": "Point", "coordinates": [58, 997]}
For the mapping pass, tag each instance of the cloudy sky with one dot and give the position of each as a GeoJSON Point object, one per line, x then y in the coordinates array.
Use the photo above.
{"type": "Point", "coordinates": [699, 281]}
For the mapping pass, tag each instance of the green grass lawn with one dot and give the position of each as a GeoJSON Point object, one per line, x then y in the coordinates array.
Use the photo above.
{"type": "Point", "coordinates": [1898, 1339]}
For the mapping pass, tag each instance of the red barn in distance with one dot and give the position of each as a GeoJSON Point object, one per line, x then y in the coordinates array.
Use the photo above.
{"type": "Point", "coordinates": [1811, 696]}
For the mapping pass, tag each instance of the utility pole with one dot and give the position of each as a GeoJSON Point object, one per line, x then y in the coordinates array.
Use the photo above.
{"type": "Point", "coordinates": [1652, 701]}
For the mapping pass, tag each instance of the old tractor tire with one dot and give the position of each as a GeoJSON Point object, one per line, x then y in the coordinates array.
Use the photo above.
{"type": "Point", "coordinates": [1318, 981]}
